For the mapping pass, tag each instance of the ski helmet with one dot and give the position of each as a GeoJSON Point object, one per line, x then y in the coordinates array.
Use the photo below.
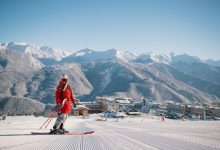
{"type": "Point", "coordinates": [64, 78]}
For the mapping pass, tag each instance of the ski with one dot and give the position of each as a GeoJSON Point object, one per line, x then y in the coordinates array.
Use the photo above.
{"type": "Point", "coordinates": [70, 133]}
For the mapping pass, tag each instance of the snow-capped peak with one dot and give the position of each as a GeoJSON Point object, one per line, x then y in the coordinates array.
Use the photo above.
{"type": "Point", "coordinates": [36, 51]}
{"type": "Point", "coordinates": [125, 56]}
{"type": "Point", "coordinates": [186, 58]}
{"type": "Point", "coordinates": [87, 55]}
{"type": "Point", "coordinates": [83, 52]}
{"type": "Point", "coordinates": [153, 57]}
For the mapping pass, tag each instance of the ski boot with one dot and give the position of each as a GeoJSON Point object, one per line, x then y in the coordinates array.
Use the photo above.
{"type": "Point", "coordinates": [56, 131]}
{"type": "Point", "coordinates": [62, 128]}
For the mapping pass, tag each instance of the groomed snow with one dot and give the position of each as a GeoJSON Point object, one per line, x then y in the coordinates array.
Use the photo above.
{"type": "Point", "coordinates": [113, 134]}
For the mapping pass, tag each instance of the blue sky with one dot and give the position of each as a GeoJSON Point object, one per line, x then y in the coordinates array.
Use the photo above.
{"type": "Point", "coordinates": [162, 26]}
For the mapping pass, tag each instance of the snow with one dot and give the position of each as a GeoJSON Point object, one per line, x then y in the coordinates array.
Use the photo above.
{"type": "Point", "coordinates": [80, 53]}
{"type": "Point", "coordinates": [186, 59]}
{"type": "Point", "coordinates": [163, 58]}
{"type": "Point", "coordinates": [91, 55]}
{"type": "Point", "coordinates": [37, 51]}
{"type": "Point", "coordinates": [110, 54]}
{"type": "Point", "coordinates": [123, 101]}
{"type": "Point", "coordinates": [126, 134]}
{"type": "Point", "coordinates": [125, 56]}
{"type": "Point", "coordinates": [21, 43]}
{"type": "Point", "coordinates": [2, 47]}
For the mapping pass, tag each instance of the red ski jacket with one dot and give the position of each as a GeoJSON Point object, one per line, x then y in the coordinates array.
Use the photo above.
{"type": "Point", "coordinates": [67, 94]}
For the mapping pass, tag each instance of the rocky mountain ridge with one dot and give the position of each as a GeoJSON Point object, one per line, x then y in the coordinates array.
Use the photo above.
{"type": "Point", "coordinates": [34, 72]}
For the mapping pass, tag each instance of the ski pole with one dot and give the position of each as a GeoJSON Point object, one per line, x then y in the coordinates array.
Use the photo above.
{"type": "Point", "coordinates": [50, 120]}
{"type": "Point", "coordinates": [52, 114]}
{"type": "Point", "coordinates": [51, 117]}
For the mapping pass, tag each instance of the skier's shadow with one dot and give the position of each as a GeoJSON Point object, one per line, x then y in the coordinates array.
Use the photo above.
{"type": "Point", "coordinates": [15, 134]}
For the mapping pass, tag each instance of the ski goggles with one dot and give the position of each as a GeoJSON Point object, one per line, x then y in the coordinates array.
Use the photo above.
{"type": "Point", "coordinates": [63, 80]}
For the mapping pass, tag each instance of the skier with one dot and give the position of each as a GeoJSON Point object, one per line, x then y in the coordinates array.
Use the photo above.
{"type": "Point", "coordinates": [64, 100]}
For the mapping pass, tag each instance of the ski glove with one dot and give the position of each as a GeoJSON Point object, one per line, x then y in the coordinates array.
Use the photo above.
{"type": "Point", "coordinates": [57, 108]}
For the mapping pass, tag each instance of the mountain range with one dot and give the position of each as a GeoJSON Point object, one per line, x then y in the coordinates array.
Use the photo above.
{"type": "Point", "coordinates": [33, 72]}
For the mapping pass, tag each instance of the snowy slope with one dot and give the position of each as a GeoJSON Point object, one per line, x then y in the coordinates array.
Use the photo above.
{"type": "Point", "coordinates": [184, 58]}
{"type": "Point", "coordinates": [126, 56]}
{"type": "Point", "coordinates": [126, 134]}
{"type": "Point", "coordinates": [16, 60]}
{"type": "Point", "coordinates": [152, 57]}
{"type": "Point", "coordinates": [213, 62]}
